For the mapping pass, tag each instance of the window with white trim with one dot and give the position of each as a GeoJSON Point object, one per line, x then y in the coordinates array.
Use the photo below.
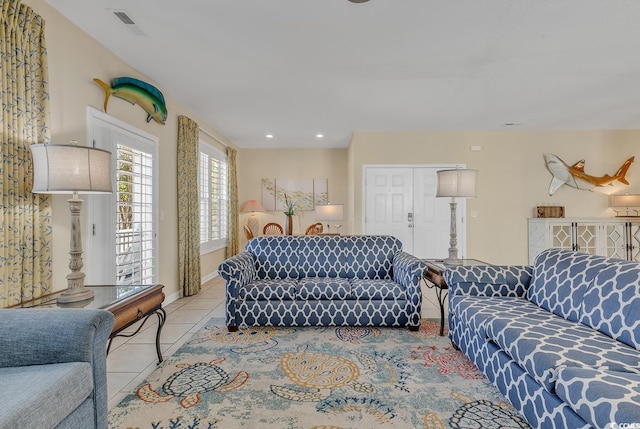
{"type": "Point", "coordinates": [214, 202]}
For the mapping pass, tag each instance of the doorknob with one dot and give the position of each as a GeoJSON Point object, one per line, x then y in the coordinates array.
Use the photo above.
{"type": "Point", "coordinates": [410, 225]}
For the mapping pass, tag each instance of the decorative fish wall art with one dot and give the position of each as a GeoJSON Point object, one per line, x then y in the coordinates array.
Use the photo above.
{"type": "Point", "coordinates": [136, 92]}
{"type": "Point", "coordinates": [575, 176]}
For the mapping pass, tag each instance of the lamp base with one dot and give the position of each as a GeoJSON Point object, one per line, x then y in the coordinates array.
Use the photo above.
{"type": "Point", "coordinates": [75, 295]}
{"type": "Point", "coordinates": [452, 261]}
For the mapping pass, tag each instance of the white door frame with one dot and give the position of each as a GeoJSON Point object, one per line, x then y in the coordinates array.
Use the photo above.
{"type": "Point", "coordinates": [94, 211]}
{"type": "Point", "coordinates": [461, 208]}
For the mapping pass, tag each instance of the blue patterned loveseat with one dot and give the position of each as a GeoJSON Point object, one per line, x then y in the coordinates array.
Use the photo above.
{"type": "Point", "coordinates": [323, 280]}
{"type": "Point", "coordinates": [560, 339]}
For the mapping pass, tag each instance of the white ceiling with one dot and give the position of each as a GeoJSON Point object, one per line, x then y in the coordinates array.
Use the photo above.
{"type": "Point", "coordinates": [295, 68]}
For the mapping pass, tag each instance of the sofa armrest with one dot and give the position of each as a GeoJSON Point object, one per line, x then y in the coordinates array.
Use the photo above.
{"type": "Point", "coordinates": [488, 280]}
{"type": "Point", "coordinates": [38, 336]}
{"type": "Point", "coordinates": [237, 271]}
{"type": "Point", "coordinates": [408, 270]}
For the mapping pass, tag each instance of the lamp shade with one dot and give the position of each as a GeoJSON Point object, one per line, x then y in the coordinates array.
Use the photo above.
{"type": "Point", "coordinates": [252, 206]}
{"type": "Point", "coordinates": [64, 169]}
{"type": "Point", "coordinates": [457, 183]}
{"type": "Point", "coordinates": [627, 200]}
{"type": "Point", "coordinates": [329, 212]}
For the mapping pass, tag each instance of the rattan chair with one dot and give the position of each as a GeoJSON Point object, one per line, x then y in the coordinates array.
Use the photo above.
{"type": "Point", "coordinates": [248, 233]}
{"type": "Point", "coordinates": [314, 229]}
{"type": "Point", "coordinates": [272, 228]}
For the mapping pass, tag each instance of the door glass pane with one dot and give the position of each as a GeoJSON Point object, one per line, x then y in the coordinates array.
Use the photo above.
{"type": "Point", "coordinates": [134, 217]}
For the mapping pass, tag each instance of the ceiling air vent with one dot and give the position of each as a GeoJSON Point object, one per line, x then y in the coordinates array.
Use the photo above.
{"type": "Point", "coordinates": [126, 19]}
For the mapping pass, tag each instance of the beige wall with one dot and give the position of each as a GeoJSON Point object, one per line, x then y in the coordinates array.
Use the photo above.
{"type": "Point", "coordinates": [74, 60]}
{"type": "Point", "coordinates": [512, 180]}
{"type": "Point", "coordinates": [512, 177]}
{"type": "Point", "coordinates": [256, 164]}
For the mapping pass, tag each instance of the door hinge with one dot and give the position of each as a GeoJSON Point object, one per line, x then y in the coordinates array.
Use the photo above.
{"type": "Point", "coordinates": [93, 229]}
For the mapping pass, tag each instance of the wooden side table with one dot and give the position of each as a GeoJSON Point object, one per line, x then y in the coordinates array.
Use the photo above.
{"type": "Point", "coordinates": [128, 304]}
{"type": "Point", "coordinates": [433, 278]}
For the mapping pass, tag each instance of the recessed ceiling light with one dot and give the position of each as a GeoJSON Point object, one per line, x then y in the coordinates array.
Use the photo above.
{"type": "Point", "coordinates": [319, 136]}
{"type": "Point", "coordinates": [513, 124]}
{"type": "Point", "coordinates": [269, 136]}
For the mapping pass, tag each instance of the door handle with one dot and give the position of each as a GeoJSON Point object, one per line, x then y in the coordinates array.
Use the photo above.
{"type": "Point", "coordinates": [410, 225]}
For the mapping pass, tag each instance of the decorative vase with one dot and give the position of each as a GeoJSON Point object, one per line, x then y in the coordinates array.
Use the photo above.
{"type": "Point", "coordinates": [289, 225]}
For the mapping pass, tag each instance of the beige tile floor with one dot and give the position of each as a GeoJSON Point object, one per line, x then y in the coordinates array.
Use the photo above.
{"type": "Point", "coordinates": [131, 360]}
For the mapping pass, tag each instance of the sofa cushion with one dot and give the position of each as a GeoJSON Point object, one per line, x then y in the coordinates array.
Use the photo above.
{"type": "Point", "coordinates": [41, 396]}
{"type": "Point", "coordinates": [363, 257]}
{"type": "Point", "coordinates": [323, 288]}
{"type": "Point", "coordinates": [542, 343]}
{"type": "Point", "coordinates": [560, 280]}
{"type": "Point", "coordinates": [276, 257]}
{"type": "Point", "coordinates": [476, 310]}
{"type": "Point", "coordinates": [258, 290]}
{"type": "Point", "coordinates": [612, 304]}
{"type": "Point", "coordinates": [377, 289]}
{"type": "Point", "coordinates": [601, 397]}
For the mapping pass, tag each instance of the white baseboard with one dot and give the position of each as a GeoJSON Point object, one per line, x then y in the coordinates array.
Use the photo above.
{"type": "Point", "coordinates": [170, 298]}
{"type": "Point", "coordinates": [209, 276]}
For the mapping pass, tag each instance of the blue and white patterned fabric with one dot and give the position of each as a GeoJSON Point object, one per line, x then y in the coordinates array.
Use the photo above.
{"type": "Point", "coordinates": [559, 339]}
{"type": "Point", "coordinates": [560, 280]}
{"type": "Point", "coordinates": [612, 306]}
{"type": "Point", "coordinates": [323, 280]}
{"type": "Point", "coordinates": [601, 397]}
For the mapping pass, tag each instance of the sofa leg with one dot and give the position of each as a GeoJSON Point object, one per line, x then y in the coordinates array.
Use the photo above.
{"type": "Point", "coordinates": [414, 328]}
{"type": "Point", "coordinates": [455, 346]}
{"type": "Point", "coordinates": [232, 328]}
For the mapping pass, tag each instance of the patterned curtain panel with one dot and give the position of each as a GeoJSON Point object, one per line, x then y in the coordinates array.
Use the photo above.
{"type": "Point", "coordinates": [188, 207]}
{"type": "Point", "coordinates": [25, 221]}
{"type": "Point", "coordinates": [232, 241]}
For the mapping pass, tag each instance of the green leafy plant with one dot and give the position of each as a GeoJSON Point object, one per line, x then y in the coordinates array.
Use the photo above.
{"type": "Point", "coordinates": [290, 205]}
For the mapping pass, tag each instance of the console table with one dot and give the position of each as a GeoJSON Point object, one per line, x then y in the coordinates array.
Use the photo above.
{"type": "Point", "coordinates": [433, 278]}
{"type": "Point", "coordinates": [128, 304]}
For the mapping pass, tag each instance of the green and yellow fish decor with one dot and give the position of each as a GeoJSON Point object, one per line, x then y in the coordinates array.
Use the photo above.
{"type": "Point", "coordinates": [136, 92]}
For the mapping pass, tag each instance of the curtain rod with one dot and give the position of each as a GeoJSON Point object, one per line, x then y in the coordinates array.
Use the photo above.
{"type": "Point", "coordinates": [213, 137]}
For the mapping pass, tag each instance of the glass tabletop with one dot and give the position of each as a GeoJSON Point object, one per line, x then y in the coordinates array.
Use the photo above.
{"type": "Point", "coordinates": [105, 296]}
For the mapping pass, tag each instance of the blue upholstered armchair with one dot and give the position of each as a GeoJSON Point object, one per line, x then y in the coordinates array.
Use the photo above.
{"type": "Point", "coordinates": [53, 369]}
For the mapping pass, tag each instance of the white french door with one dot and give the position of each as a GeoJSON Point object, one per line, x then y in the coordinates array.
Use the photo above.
{"type": "Point", "coordinates": [401, 201]}
{"type": "Point", "coordinates": [122, 243]}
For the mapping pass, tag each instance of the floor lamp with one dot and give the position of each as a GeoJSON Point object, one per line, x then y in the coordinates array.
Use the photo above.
{"type": "Point", "coordinates": [253, 206]}
{"type": "Point", "coordinates": [72, 169]}
{"type": "Point", "coordinates": [330, 212]}
{"type": "Point", "coordinates": [454, 184]}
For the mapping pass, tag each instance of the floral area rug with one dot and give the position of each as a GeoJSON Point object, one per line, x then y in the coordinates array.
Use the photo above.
{"type": "Point", "coordinates": [313, 378]}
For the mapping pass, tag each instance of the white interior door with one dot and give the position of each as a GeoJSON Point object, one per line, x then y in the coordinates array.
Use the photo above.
{"type": "Point", "coordinates": [432, 216]}
{"type": "Point", "coordinates": [401, 201]}
{"type": "Point", "coordinates": [389, 205]}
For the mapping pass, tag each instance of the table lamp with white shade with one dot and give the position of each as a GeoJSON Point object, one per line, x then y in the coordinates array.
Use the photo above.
{"type": "Point", "coordinates": [458, 183]}
{"type": "Point", "coordinates": [253, 206]}
{"type": "Point", "coordinates": [623, 204]}
{"type": "Point", "coordinates": [329, 213]}
{"type": "Point", "coordinates": [72, 169]}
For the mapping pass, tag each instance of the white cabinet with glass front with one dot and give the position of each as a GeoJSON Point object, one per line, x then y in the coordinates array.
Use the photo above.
{"type": "Point", "coordinates": [611, 237]}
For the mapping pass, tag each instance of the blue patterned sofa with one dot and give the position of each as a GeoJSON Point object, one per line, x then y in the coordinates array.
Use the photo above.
{"type": "Point", "coordinates": [560, 339]}
{"type": "Point", "coordinates": [322, 281]}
